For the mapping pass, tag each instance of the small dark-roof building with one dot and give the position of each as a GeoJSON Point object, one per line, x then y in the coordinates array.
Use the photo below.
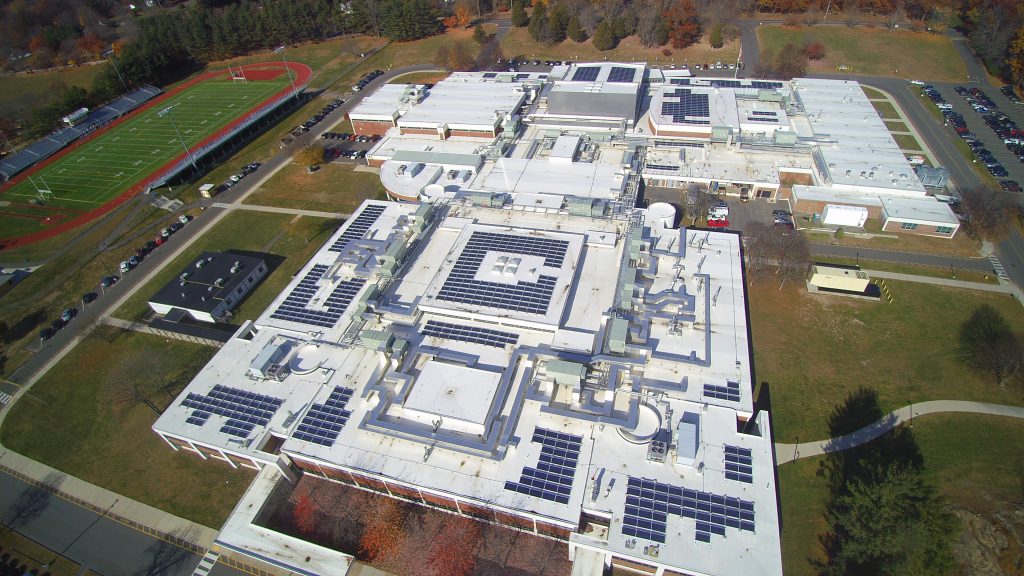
{"type": "Point", "coordinates": [210, 286]}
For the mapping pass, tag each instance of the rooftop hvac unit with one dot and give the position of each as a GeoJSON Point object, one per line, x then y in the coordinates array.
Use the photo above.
{"type": "Point", "coordinates": [277, 371]}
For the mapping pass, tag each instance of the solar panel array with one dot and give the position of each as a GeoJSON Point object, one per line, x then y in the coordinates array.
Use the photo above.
{"type": "Point", "coordinates": [648, 504]}
{"type": "Point", "coordinates": [244, 410]}
{"type": "Point", "coordinates": [323, 422]}
{"type": "Point", "coordinates": [531, 297]}
{"type": "Point", "coordinates": [763, 119]}
{"type": "Point", "coordinates": [662, 167]}
{"type": "Point", "coordinates": [552, 478]}
{"type": "Point", "coordinates": [472, 334]}
{"type": "Point", "coordinates": [521, 77]}
{"type": "Point", "coordinates": [295, 307]}
{"type": "Point", "coordinates": [739, 464]}
{"type": "Point", "coordinates": [621, 74]}
{"type": "Point", "coordinates": [358, 228]}
{"type": "Point", "coordinates": [686, 107]}
{"type": "Point", "coordinates": [490, 75]}
{"type": "Point", "coordinates": [730, 392]}
{"type": "Point", "coordinates": [763, 112]}
{"type": "Point", "coordinates": [586, 74]}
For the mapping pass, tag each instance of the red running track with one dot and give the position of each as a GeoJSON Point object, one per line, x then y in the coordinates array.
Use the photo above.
{"type": "Point", "coordinates": [253, 71]}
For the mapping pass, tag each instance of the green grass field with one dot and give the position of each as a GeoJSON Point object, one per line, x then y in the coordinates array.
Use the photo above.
{"type": "Point", "coordinates": [106, 166]}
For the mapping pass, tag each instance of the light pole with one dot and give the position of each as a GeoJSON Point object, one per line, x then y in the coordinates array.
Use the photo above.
{"type": "Point", "coordinates": [116, 71]}
{"type": "Point", "coordinates": [287, 70]}
{"type": "Point", "coordinates": [167, 112]}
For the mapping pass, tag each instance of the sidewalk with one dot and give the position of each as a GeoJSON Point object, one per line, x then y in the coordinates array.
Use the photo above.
{"type": "Point", "coordinates": [1002, 288]}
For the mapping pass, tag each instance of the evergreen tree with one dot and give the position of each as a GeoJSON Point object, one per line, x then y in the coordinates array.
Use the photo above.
{"type": "Point", "coordinates": [538, 23]}
{"type": "Point", "coordinates": [574, 31]}
{"type": "Point", "coordinates": [479, 35]}
{"type": "Point", "coordinates": [558, 20]}
{"type": "Point", "coordinates": [604, 38]}
{"type": "Point", "coordinates": [716, 36]}
{"type": "Point", "coordinates": [519, 17]}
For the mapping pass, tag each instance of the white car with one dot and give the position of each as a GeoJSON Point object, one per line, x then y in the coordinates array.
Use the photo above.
{"type": "Point", "coordinates": [125, 266]}
{"type": "Point", "coordinates": [917, 83]}
{"type": "Point", "coordinates": [944, 106]}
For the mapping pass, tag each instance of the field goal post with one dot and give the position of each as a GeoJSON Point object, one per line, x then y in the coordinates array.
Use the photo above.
{"type": "Point", "coordinates": [43, 195]}
{"type": "Point", "coordinates": [238, 75]}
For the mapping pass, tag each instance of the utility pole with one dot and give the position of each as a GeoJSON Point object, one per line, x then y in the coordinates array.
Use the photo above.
{"type": "Point", "coordinates": [166, 112]}
{"type": "Point", "coordinates": [116, 71]}
{"type": "Point", "coordinates": [287, 70]}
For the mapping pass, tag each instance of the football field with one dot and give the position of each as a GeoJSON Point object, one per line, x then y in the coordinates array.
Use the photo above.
{"type": "Point", "coordinates": [128, 153]}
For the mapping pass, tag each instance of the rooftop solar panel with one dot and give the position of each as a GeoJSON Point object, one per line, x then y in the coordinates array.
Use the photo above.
{"type": "Point", "coordinates": [648, 504]}
{"type": "Point", "coordinates": [296, 308]}
{"type": "Point", "coordinates": [552, 478]}
{"type": "Point", "coordinates": [621, 74]}
{"type": "Point", "coordinates": [668, 167]}
{"type": "Point", "coordinates": [323, 422]}
{"type": "Point", "coordinates": [462, 286]}
{"type": "Point", "coordinates": [586, 74]}
{"type": "Point", "coordinates": [472, 334]}
{"type": "Point", "coordinates": [739, 464]}
{"type": "Point", "coordinates": [729, 392]}
{"type": "Point", "coordinates": [686, 107]}
{"type": "Point", "coordinates": [763, 112]}
{"type": "Point", "coordinates": [244, 410]}
{"type": "Point", "coordinates": [358, 227]}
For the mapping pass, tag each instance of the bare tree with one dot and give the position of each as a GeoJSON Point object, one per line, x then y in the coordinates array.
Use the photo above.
{"type": "Point", "coordinates": [130, 383]}
{"type": "Point", "coordinates": [852, 13]}
{"type": "Point", "coordinates": [988, 345]}
{"type": "Point", "coordinates": [989, 212]}
{"type": "Point", "coordinates": [898, 14]}
{"type": "Point", "coordinates": [772, 253]}
{"type": "Point", "coordinates": [697, 200]}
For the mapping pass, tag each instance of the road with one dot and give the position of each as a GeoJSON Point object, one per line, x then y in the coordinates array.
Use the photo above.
{"type": "Point", "coordinates": [97, 542]}
{"type": "Point", "coordinates": [131, 281]}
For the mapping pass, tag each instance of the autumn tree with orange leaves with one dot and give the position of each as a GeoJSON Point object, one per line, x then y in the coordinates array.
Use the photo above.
{"type": "Point", "coordinates": [452, 552]}
{"type": "Point", "coordinates": [383, 530]}
{"type": "Point", "coordinates": [304, 514]}
{"type": "Point", "coordinates": [683, 24]}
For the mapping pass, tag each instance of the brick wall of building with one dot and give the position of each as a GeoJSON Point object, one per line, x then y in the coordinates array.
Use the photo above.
{"type": "Point", "coordinates": [920, 229]}
{"type": "Point", "coordinates": [424, 131]}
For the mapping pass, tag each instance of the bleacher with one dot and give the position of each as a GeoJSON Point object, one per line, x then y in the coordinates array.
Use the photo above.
{"type": "Point", "coordinates": [52, 143]}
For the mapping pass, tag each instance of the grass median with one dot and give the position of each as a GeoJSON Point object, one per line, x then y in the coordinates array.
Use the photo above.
{"type": "Point", "coordinates": [814, 349]}
{"type": "Point", "coordinates": [83, 418]}
{"type": "Point", "coordinates": [287, 240]}
{"type": "Point", "coordinates": [914, 269]}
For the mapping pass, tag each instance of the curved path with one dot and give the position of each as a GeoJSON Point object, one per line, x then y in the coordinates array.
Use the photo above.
{"type": "Point", "coordinates": [788, 452]}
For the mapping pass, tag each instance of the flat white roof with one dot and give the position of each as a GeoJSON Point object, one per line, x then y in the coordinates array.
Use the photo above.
{"type": "Point", "coordinates": [386, 101]}
{"type": "Point", "coordinates": [465, 102]}
{"type": "Point", "coordinates": [920, 211]}
{"type": "Point", "coordinates": [600, 78]}
{"type": "Point", "coordinates": [856, 148]}
{"type": "Point", "coordinates": [544, 176]}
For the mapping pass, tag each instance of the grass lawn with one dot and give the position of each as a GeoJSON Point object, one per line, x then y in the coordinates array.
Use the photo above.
{"type": "Point", "coordinates": [111, 163]}
{"type": "Point", "coordinates": [872, 93]}
{"type": "Point", "coordinates": [895, 126]}
{"type": "Point", "coordinates": [873, 51]}
{"type": "Point", "coordinates": [886, 110]}
{"type": "Point", "coordinates": [815, 349]}
{"type": "Point", "coordinates": [966, 456]}
{"type": "Point", "coordinates": [906, 142]}
{"type": "Point", "coordinates": [928, 104]}
{"type": "Point", "coordinates": [960, 245]}
{"type": "Point", "coordinates": [420, 78]}
{"type": "Point", "coordinates": [915, 269]}
{"type": "Point", "coordinates": [336, 187]}
{"type": "Point", "coordinates": [518, 43]}
{"type": "Point", "coordinates": [79, 420]}
{"type": "Point", "coordinates": [30, 89]}
{"type": "Point", "coordinates": [281, 235]}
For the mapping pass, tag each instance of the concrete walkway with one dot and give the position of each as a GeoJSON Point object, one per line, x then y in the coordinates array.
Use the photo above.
{"type": "Point", "coordinates": [1001, 288]}
{"type": "Point", "coordinates": [296, 211]}
{"type": "Point", "coordinates": [789, 452]}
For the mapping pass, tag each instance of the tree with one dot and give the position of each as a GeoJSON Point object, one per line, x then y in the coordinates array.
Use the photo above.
{"type": "Point", "coordinates": [452, 551]}
{"type": "Point", "coordinates": [814, 51]}
{"type": "Point", "coordinates": [490, 54]}
{"type": "Point", "coordinates": [895, 525]}
{"type": "Point", "coordinates": [1015, 58]}
{"type": "Point", "coordinates": [791, 62]}
{"type": "Point", "coordinates": [604, 39]}
{"type": "Point", "coordinates": [575, 31]}
{"type": "Point", "coordinates": [519, 17]}
{"type": "Point", "coordinates": [463, 13]}
{"type": "Point", "coordinates": [310, 155]}
{"type": "Point", "coordinates": [988, 212]}
{"type": "Point", "coordinates": [683, 24]}
{"type": "Point", "coordinates": [303, 514]}
{"type": "Point", "coordinates": [988, 345]}
{"type": "Point", "coordinates": [383, 529]}
{"type": "Point", "coordinates": [651, 28]}
{"type": "Point", "coordinates": [454, 56]}
{"type": "Point", "coordinates": [716, 36]}
{"type": "Point", "coordinates": [479, 34]}
{"type": "Point", "coordinates": [771, 253]}
{"type": "Point", "coordinates": [538, 22]}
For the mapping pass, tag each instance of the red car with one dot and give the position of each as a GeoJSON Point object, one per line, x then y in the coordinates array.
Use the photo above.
{"type": "Point", "coordinates": [723, 223]}
{"type": "Point", "coordinates": [158, 240]}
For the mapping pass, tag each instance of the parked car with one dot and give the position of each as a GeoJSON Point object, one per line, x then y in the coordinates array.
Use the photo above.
{"type": "Point", "coordinates": [46, 333]}
{"type": "Point", "coordinates": [89, 297]}
{"type": "Point", "coordinates": [68, 314]}
{"type": "Point", "coordinates": [125, 266]}
{"type": "Point", "coordinates": [108, 281]}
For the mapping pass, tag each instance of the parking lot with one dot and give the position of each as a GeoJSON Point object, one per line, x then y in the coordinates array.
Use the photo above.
{"type": "Point", "coordinates": [741, 214]}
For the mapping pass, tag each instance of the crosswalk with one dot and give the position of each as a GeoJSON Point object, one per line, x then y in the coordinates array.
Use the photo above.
{"type": "Point", "coordinates": [5, 398]}
{"type": "Point", "coordinates": [998, 267]}
{"type": "Point", "coordinates": [224, 205]}
{"type": "Point", "coordinates": [206, 564]}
